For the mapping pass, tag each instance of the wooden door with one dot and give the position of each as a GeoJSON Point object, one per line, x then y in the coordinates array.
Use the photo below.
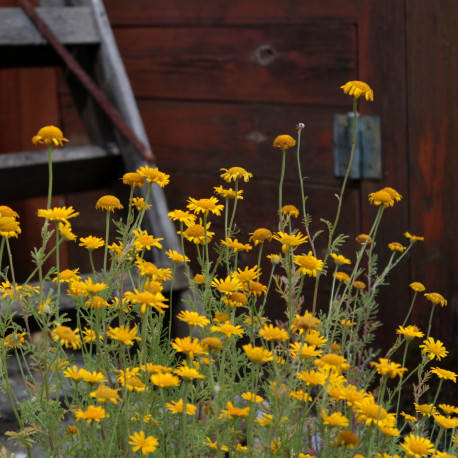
{"type": "Point", "coordinates": [218, 81]}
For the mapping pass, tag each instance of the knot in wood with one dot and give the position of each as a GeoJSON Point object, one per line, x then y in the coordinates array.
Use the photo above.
{"type": "Point", "coordinates": [264, 55]}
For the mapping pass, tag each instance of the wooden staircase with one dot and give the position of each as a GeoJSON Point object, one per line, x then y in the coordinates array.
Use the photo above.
{"type": "Point", "coordinates": [61, 33]}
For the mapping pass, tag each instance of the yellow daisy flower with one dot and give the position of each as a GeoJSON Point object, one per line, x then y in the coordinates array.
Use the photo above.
{"type": "Point", "coordinates": [182, 217]}
{"type": "Point", "coordinates": [153, 175]}
{"type": "Point", "coordinates": [235, 245]}
{"type": "Point", "coordinates": [358, 89]}
{"type": "Point", "coordinates": [434, 349]}
{"type": "Point", "coordinates": [312, 377]}
{"type": "Point", "coordinates": [369, 412]}
{"type": "Point", "coordinates": [108, 203]}
{"type": "Point", "coordinates": [228, 193]}
{"type": "Point", "coordinates": [236, 173]}
{"type": "Point", "coordinates": [308, 265]}
{"type": "Point", "coordinates": [260, 236]}
{"type": "Point", "coordinates": [75, 374]}
{"type": "Point", "coordinates": [341, 276]}
{"type": "Point", "coordinates": [205, 206]}
{"type": "Point", "coordinates": [235, 299]}
{"type": "Point", "coordinates": [8, 211]}
{"type": "Point", "coordinates": [123, 334]}
{"type": "Point", "coordinates": [363, 238]}
{"type": "Point", "coordinates": [436, 298]}
{"type": "Point", "coordinates": [382, 197]}
{"type": "Point", "coordinates": [9, 227]}
{"type": "Point", "coordinates": [49, 135]}
{"type": "Point", "coordinates": [290, 210]}
{"type": "Point", "coordinates": [227, 286]}
{"type": "Point", "coordinates": [335, 419]}
{"type": "Point", "coordinates": [67, 337]}
{"type": "Point", "coordinates": [395, 246]}
{"type": "Point", "coordinates": [165, 379]}
{"type": "Point", "coordinates": [305, 351]}
{"type": "Point", "coordinates": [252, 397]}
{"type": "Point", "coordinates": [417, 446]}
{"type": "Point", "coordinates": [105, 394]}
{"type": "Point", "coordinates": [270, 332]}
{"type": "Point", "coordinates": [346, 439]}
{"type": "Point", "coordinates": [144, 444]}
{"type": "Point", "coordinates": [289, 240]}
{"type": "Point", "coordinates": [446, 422]}
{"type": "Point", "coordinates": [133, 179]}
{"type": "Point", "coordinates": [188, 346]}
{"type": "Point", "coordinates": [211, 343]}
{"type": "Point", "coordinates": [65, 230]}
{"type": "Point", "coordinates": [340, 259]}
{"type": "Point", "coordinates": [231, 411]}
{"type": "Point", "coordinates": [144, 241]}
{"type": "Point", "coordinates": [258, 355]}
{"type": "Point", "coordinates": [448, 409]}
{"type": "Point", "coordinates": [91, 243]}
{"type": "Point", "coordinates": [445, 374]}
{"type": "Point", "coordinates": [284, 142]}
{"type": "Point", "coordinates": [91, 414]}
{"type": "Point", "coordinates": [196, 233]}
{"type": "Point", "coordinates": [388, 368]}
{"type": "Point", "coordinates": [425, 409]}
{"type": "Point", "coordinates": [410, 332]}
{"type": "Point", "coordinates": [140, 204]}
{"type": "Point", "coordinates": [193, 318]}
{"type": "Point", "coordinates": [188, 373]}
{"type": "Point", "coordinates": [62, 214]}
{"type": "Point", "coordinates": [176, 257]}
{"type": "Point", "coordinates": [177, 407]}
{"type": "Point", "coordinates": [413, 238]}
{"type": "Point", "coordinates": [417, 286]}
{"type": "Point", "coordinates": [228, 330]}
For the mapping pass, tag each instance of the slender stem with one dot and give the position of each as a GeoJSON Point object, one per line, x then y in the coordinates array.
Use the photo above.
{"type": "Point", "coordinates": [280, 188]}
{"type": "Point", "coordinates": [339, 206]}
{"type": "Point", "coordinates": [430, 321]}
{"type": "Point", "coordinates": [107, 234]}
{"type": "Point", "coordinates": [410, 309]}
{"type": "Point", "coordinates": [50, 178]}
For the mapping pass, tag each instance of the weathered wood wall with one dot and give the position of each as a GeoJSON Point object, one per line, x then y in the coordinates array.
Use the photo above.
{"type": "Point", "coordinates": [217, 81]}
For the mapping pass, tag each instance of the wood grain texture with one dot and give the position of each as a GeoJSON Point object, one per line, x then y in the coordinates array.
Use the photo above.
{"type": "Point", "coordinates": [147, 12]}
{"type": "Point", "coordinates": [432, 70]}
{"type": "Point", "coordinates": [382, 57]}
{"type": "Point", "coordinates": [202, 138]}
{"type": "Point", "coordinates": [283, 64]}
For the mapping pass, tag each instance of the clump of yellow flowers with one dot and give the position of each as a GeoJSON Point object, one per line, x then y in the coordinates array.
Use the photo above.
{"type": "Point", "coordinates": [112, 381]}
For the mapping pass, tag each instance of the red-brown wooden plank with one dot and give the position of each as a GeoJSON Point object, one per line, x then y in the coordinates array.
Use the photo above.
{"type": "Point", "coordinates": [147, 12]}
{"type": "Point", "coordinates": [433, 142]}
{"type": "Point", "coordinates": [382, 57]}
{"type": "Point", "coordinates": [283, 64]}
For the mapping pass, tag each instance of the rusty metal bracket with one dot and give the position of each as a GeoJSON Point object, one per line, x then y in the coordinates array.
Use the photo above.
{"type": "Point", "coordinates": [87, 81]}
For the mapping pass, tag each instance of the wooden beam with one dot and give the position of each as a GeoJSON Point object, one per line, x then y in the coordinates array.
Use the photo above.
{"type": "Point", "coordinates": [72, 25]}
{"type": "Point", "coordinates": [74, 169]}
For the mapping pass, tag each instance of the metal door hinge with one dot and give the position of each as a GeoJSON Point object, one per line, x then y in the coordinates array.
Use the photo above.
{"type": "Point", "coordinates": [367, 161]}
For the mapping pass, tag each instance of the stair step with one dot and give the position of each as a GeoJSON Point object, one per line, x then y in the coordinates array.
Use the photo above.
{"type": "Point", "coordinates": [75, 169]}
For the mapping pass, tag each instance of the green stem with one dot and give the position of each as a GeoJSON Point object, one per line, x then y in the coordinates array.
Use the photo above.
{"type": "Point", "coordinates": [280, 188]}
{"type": "Point", "coordinates": [50, 177]}
{"type": "Point", "coordinates": [430, 321]}
{"type": "Point", "coordinates": [107, 234]}
{"type": "Point", "coordinates": [339, 206]}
